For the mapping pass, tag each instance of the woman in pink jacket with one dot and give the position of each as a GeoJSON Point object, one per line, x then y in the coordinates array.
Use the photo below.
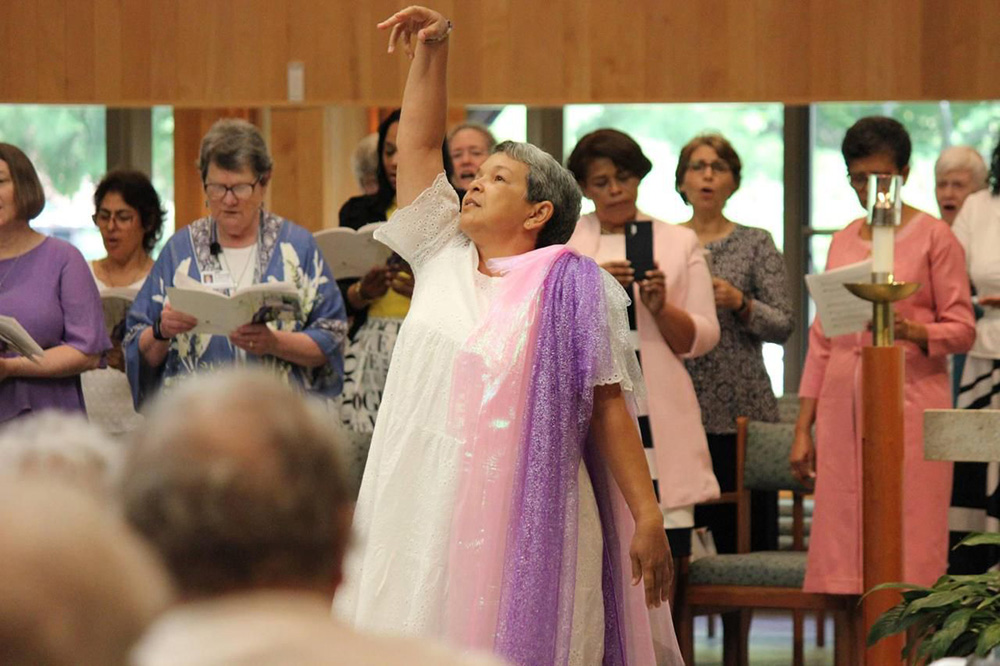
{"type": "Point", "coordinates": [672, 317]}
{"type": "Point", "coordinates": [934, 322]}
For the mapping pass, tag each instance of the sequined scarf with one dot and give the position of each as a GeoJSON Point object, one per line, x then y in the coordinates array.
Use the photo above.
{"type": "Point", "coordinates": [521, 406]}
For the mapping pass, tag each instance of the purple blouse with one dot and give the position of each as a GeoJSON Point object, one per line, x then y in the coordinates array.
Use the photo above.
{"type": "Point", "coordinates": [51, 293]}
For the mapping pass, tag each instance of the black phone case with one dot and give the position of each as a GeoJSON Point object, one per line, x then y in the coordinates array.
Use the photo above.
{"type": "Point", "coordinates": [639, 247]}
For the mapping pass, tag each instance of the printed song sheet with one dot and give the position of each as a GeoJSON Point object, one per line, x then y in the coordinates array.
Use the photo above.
{"type": "Point", "coordinates": [839, 310]}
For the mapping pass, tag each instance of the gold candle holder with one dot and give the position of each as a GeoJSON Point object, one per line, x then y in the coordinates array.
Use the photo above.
{"type": "Point", "coordinates": [882, 295]}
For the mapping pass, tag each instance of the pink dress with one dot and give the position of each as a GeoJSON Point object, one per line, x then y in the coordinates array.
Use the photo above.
{"type": "Point", "coordinates": [926, 252]}
{"type": "Point", "coordinates": [683, 462]}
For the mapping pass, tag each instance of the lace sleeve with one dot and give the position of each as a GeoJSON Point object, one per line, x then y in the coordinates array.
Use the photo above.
{"type": "Point", "coordinates": [624, 366]}
{"type": "Point", "coordinates": [420, 230]}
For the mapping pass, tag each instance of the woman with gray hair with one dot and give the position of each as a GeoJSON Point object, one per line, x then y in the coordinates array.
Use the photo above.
{"type": "Point", "coordinates": [238, 245]}
{"type": "Point", "coordinates": [506, 504]}
{"type": "Point", "coordinates": [958, 172]}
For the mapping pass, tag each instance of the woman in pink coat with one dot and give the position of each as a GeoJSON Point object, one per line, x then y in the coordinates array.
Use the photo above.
{"type": "Point", "coordinates": [672, 315]}
{"type": "Point", "coordinates": [934, 322]}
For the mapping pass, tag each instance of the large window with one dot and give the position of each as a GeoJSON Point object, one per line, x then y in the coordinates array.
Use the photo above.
{"type": "Point", "coordinates": [508, 123]}
{"type": "Point", "coordinates": [163, 165]}
{"type": "Point", "coordinates": [933, 126]}
{"type": "Point", "coordinates": [755, 130]}
{"type": "Point", "coordinates": [67, 146]}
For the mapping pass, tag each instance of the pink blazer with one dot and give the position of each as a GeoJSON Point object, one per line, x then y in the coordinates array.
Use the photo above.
{"type": "Point", "coordinates": [683, 463]}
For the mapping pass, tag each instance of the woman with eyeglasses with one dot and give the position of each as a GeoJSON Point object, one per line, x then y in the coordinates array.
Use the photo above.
{"type": "Point", "coordinates": [936, 321]}
{"type": "Point", "coordinates": [753, 306]}
{"type": "Point", "coordinates": [45, 285]}
{"type": "Point", "coordinates": [239, 244]}
{"type": "Point", "coordinates": [129, 216]}
{"type": "Point", "coordinates": [672, 317]}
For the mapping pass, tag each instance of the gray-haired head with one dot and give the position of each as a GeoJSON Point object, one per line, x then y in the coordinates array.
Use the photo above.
{"type": "Point", "coordinates": [237, 484]}
{"type": "Point", "coordinates": [234, 144]}
{"type": "Point", "coordinates": [962, 158]}
{"type": "Point", "coordinates": [491, 141]}
{"type": "Point", "coordinates": [79, 588]}
{"type": "Point", "coordinates": [548, 181]}
{"type": "Point", "coordinates": [364, 163]}
{"type": "Point", "coordinates": [65, 447]}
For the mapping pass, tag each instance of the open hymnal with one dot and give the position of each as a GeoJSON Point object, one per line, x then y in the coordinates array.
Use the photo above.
{"type": "Point", "coordinates": [350, 253]}
{"type": "Point", "coordinates": [218, 314]}
{"type": "Point", "coordinates": [839, 310]}
{"type": "Point", "coordinates": [14, 338]}
{"type": "Point", "coordinates": [116, 302]}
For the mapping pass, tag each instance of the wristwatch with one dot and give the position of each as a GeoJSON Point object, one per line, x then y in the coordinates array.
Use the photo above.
{"type": "Point", "coordinates": [157, 333]}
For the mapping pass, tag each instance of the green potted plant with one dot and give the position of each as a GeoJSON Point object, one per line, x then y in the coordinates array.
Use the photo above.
{"type": "Point", "coordinates": [959, 616]}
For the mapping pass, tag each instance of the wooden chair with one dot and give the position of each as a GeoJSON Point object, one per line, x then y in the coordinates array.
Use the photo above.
{"type": "Point", "coordinates": [734, 585]}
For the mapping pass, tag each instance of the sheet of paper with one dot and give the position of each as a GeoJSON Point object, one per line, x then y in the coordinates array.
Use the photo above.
{"type": "Point", "coordinates": [16, 339]}
{"type": "Point", "coordinates": [116, 302]}
{"type": "Point", "coordinates": [350, 253]}
{"type": "Point", "coordinates": [840, 311]}
{"type": "Point", "coordinates": [218, 314]}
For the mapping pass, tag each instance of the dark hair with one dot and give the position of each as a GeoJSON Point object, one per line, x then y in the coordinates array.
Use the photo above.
{"type": "Point", "coordinates": [386, 192]}
{"type": "Point", "coordinates": [29, 197]}
{"type": "Point", "coordinates": [723, 149]}
{"type": "Point", "coordinates": [135, 188]}
{"type": "Point", "coordinates": [995, 169]}
{"type": "Point", "coordinates": [877, 135]}
{"type": "Point", "coordinates": [616, 146]}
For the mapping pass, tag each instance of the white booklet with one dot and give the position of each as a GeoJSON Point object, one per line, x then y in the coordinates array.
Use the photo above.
{"type": "Point", "coordinates": [218, 314]}
{"type": "Point", "coordinates": [839, 310]}
{"type": "Point", "coordinates": [350, 253]}
{"type": "Point", "coordinates": [14, 338]}
{"type": "Point", "coordinates": [116, 302]}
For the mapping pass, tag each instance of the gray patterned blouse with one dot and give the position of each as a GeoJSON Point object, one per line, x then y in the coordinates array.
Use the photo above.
{"type": "Point", "coordinates": [731, 380]}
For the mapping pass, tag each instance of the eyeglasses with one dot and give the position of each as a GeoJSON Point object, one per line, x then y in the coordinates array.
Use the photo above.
{"type": "Point", "coordinates": [860, 180]}
{"type": "Point", "coordinates": [242, 191]}
{"type": "Point", "coordinates": [718, 166]}
{"type": "Point", "coordinates": [122, 218]}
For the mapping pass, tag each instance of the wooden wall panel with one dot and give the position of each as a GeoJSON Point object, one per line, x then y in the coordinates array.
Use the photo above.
{"type": "Point", "coordinates": [235, 52]}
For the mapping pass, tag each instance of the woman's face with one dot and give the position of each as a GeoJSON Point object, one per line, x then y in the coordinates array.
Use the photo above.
{"type": "Point", "coordinates": [468, 149]}
{"type": "Point", "coordinates": [613, 191]}
{"type": "Point", "coordinates": [951, 189]}
{"type": "Point", "coordinates": [235, 209]}
{"type": "Point", "coordinates": [708, 181]}
{"type": "Point", "coordinates": [389, 154]}
{"type": "Point", "coordinates": [859, 170]}
{"type": "Point", "coordinates": [8, 209]}
{"type": "Point", "coordinates": [121, 228]}
{"type": "Point", "coordinates": [496, 204]}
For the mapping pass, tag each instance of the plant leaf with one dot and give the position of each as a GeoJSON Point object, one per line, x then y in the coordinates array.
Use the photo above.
{"type": "Point", "coordinates": [980, 539]}
{"type": "Point", "coordinates": [989, 638]}
{"type": "Point", "coordinates": [935, 600]}
{"type": "Point", "coordinates": [887, 624]}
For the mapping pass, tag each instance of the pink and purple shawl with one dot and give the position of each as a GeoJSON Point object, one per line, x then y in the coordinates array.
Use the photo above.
{"type": "Point", "coordinates": [521, 405]}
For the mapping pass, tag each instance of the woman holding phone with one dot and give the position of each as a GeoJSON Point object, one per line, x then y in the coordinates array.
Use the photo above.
{"type": "Point", "coordinates": [672, 317]}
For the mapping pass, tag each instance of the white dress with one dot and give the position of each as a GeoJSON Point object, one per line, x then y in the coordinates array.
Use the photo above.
{"type": "Point", "coordinates": [106, 391]}
{"type": "Point", "coordinates": [396, 574]}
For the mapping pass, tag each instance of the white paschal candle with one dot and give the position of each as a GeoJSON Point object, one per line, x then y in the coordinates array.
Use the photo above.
{"type": "Point", "coordinates": [882, 239]}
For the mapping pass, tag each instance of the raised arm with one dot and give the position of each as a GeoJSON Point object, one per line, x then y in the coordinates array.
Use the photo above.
{"type": "Point", "coordinates": [425, 98]}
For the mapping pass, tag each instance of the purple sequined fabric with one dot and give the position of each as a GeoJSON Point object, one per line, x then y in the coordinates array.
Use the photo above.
{"type": "Point", "coordinates": [536, 605]}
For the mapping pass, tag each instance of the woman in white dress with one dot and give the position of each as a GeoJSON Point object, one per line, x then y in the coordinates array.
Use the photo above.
{"type": "Point", "coordinates": [484, 503]}
{"type": "Point", "coordinates": [130, 217]}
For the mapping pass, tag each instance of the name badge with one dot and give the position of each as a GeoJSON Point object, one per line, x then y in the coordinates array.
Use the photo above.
{"type": "Point", "coordinates": [217, 280]}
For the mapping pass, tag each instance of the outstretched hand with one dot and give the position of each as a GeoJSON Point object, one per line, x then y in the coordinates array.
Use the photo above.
{"type": "Point", "coordinates": [426, 24]}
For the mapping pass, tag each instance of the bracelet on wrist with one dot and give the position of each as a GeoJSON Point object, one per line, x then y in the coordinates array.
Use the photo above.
{"type": "Point", "coordinates": [360, 295]}
{"type": "Point", "coordinates": [744, 305]}
{"type": "Point", "coordinates": [157, 333]}
{"type": "Point", "coordinates": [442, 37]}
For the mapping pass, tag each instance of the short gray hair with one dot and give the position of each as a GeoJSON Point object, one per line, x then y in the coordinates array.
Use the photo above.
{"type": "Point", "coordinates": [78, 586]}
{"type": "Point", "coordinates": [962, 158]}
{"type": "Point", "coordinates": [233, 144]}
{"type": "Point", "coordinates": [491, 141]}
{"type": "Point", "coordinates": [237, 484]}
{"type": "Point", "coordinates": [64, 446]}
{"type": "Point", "coordinates": [364, 159]}
{"type": "Point", "coordinates": [548, 181]}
